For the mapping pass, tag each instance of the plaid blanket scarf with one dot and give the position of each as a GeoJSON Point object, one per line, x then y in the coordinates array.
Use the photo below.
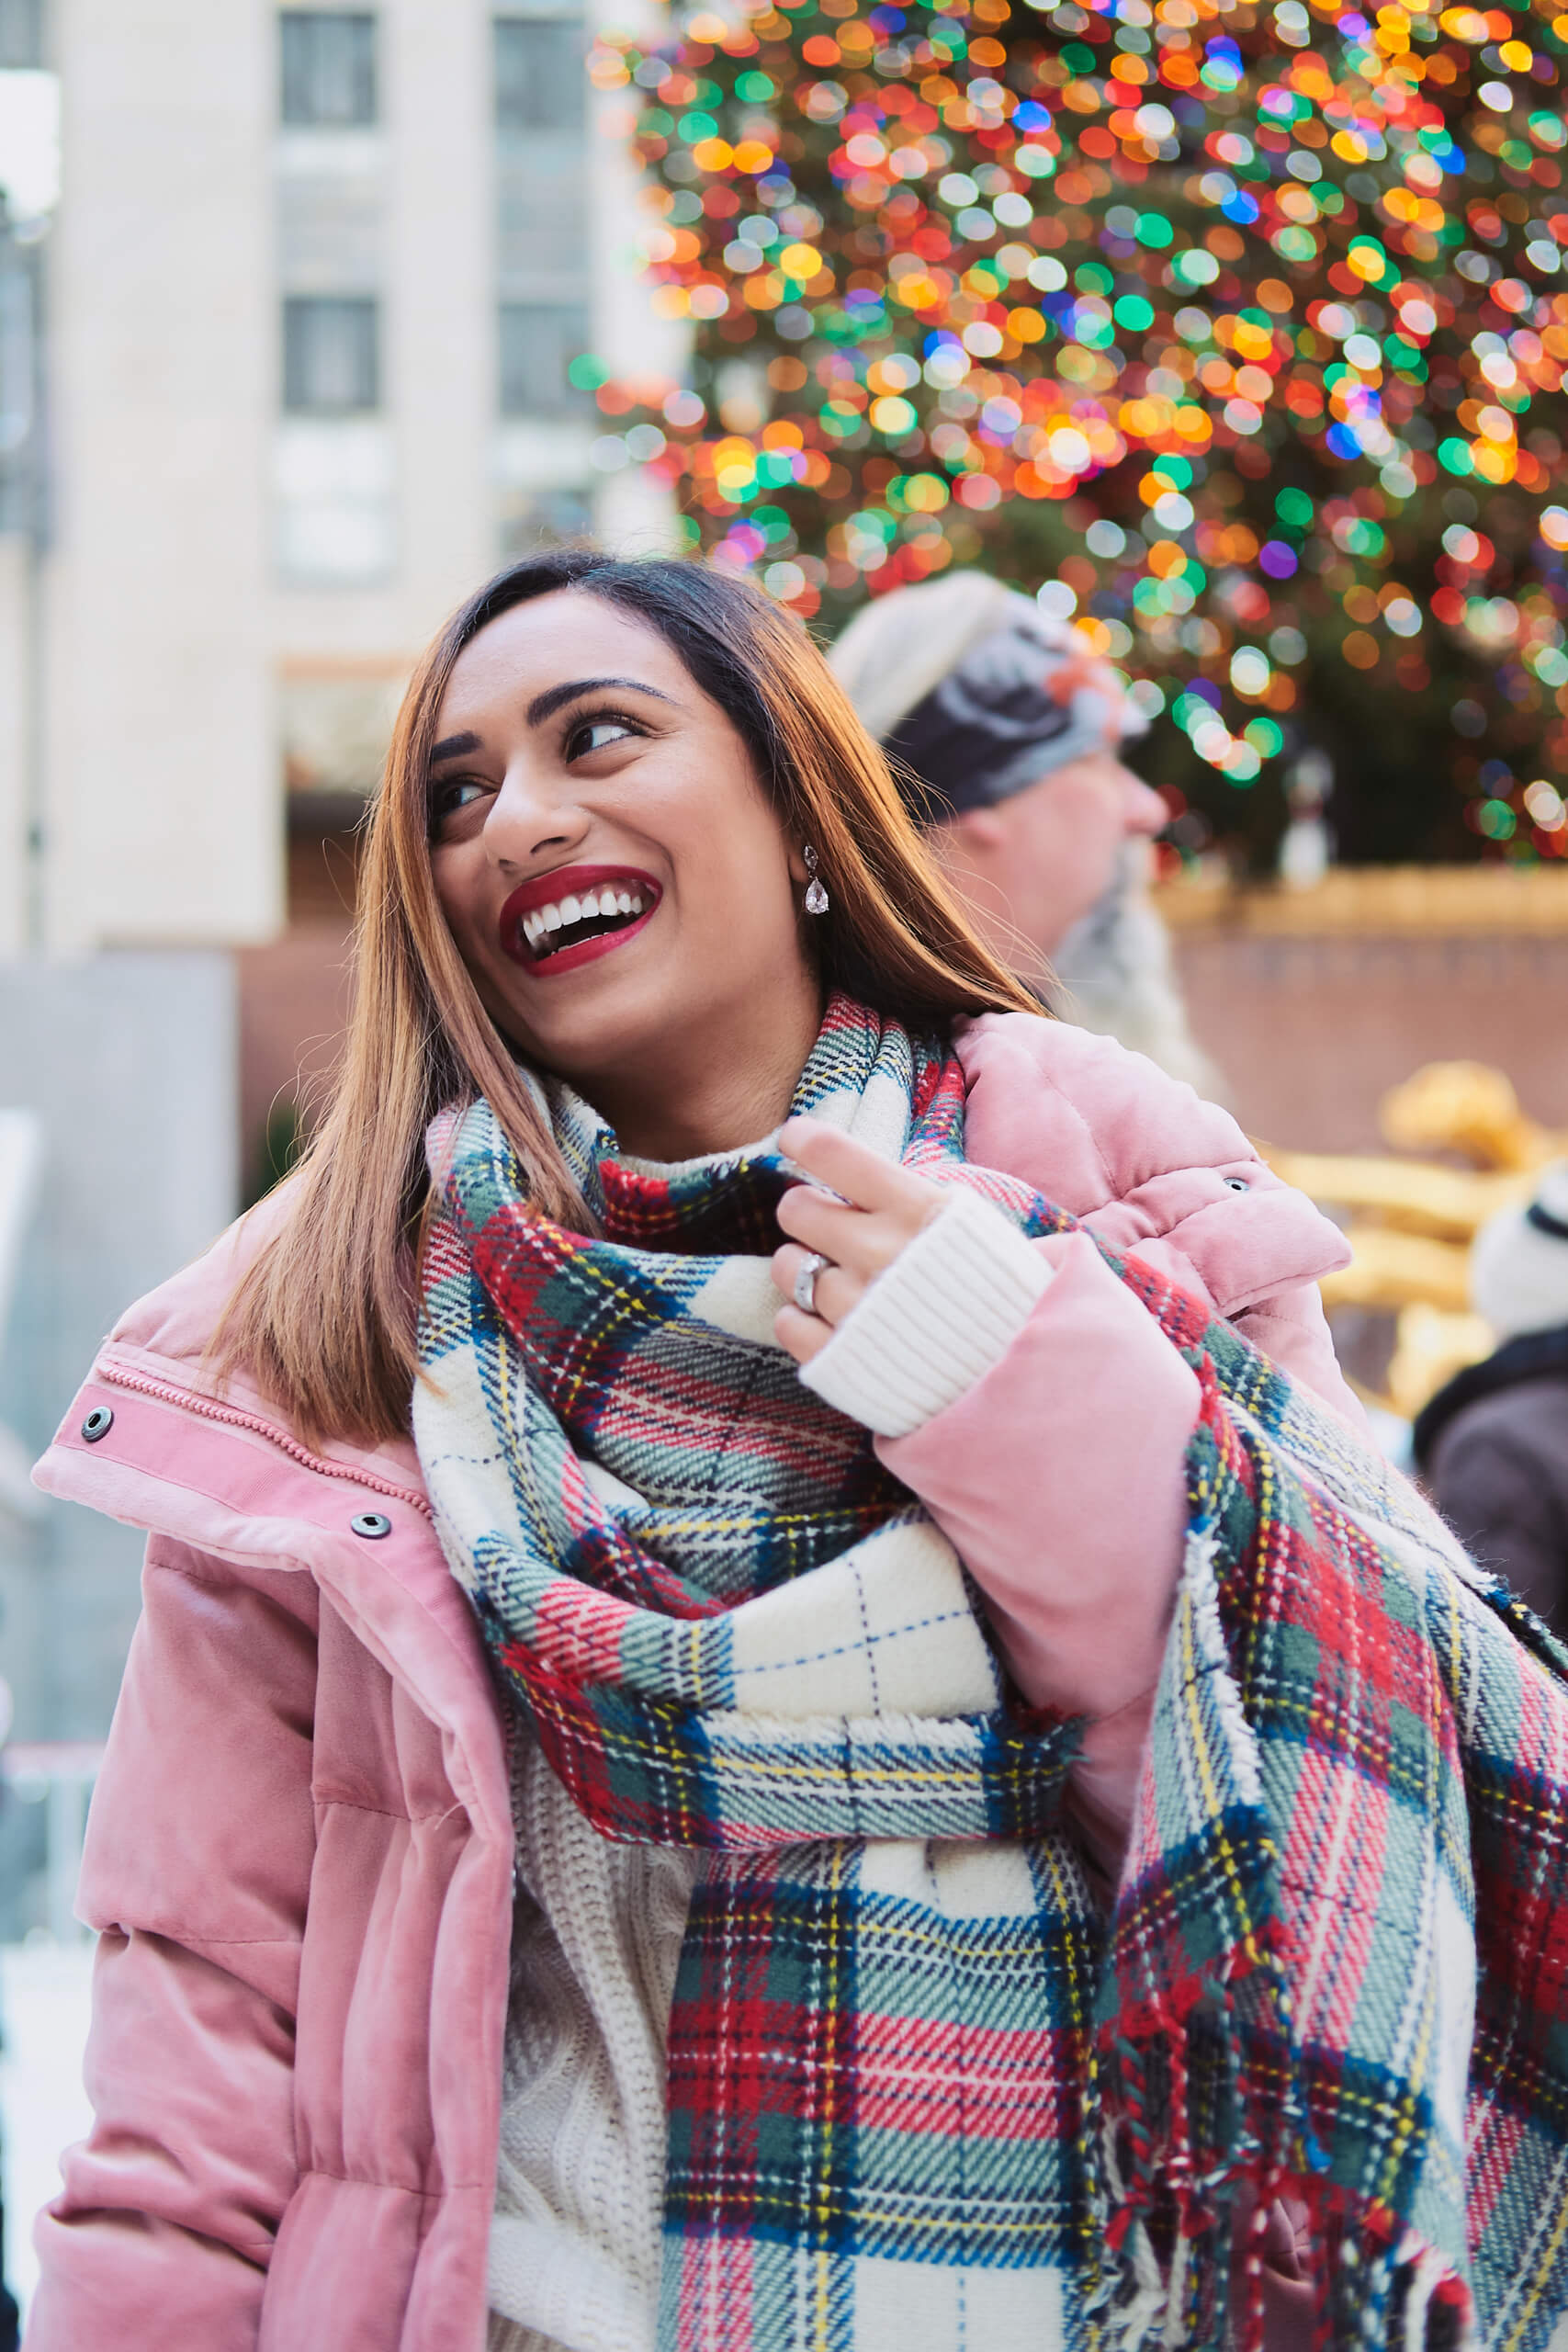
{"type": "Point", "coordinates": [923, 2092]}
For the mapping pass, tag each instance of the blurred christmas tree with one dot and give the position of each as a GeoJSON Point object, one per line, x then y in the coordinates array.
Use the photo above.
{"type": "Point", "coordinates": [1234, 327]}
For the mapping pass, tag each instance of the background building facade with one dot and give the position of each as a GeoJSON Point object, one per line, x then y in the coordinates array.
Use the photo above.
{"type": "Point", "coordinates": [286, 370]}
{"type": "Point", "coordinates": [312, 294]}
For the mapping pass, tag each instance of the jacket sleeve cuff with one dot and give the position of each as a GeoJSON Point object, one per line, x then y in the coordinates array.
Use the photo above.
{"type": "Point", "coordinates": [945, 1311]}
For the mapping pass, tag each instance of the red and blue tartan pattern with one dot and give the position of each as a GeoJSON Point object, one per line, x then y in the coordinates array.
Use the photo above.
{"type": "Point", "coordinates": [857, 2082]}
{"type": "Point", "coordinates": [1306, 1958]}
{"type": "Point", "coordinates": [645, 1772]}
{"type": "Point", "coordinates": [919, 2093]}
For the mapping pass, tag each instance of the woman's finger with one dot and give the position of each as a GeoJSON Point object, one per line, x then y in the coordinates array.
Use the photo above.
{"type": "Point", "coordinates": [860, 1238]}
{"type": "Point", "coordinates": [835, 1292]}
{"type": "Point", "coordinates": [862, 1175]}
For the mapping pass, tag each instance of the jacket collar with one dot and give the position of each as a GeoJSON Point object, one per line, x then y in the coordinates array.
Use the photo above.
{"type": "Point", "coordinates": [1146, 1163]}
{"type": "Point", "coordinates": [154, 1439]}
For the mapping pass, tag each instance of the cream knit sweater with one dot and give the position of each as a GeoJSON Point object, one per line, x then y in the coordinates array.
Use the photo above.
{"type": "Point", "coordinates": [575, 2243]}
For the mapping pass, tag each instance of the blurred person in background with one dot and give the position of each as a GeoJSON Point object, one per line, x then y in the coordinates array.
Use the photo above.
{"type": "Point", "coordinates": [1493, 1444]}
{"type": "Point", "coordinates": [1005, 736]}
{"type": "Point", "coordinates": [631, 1741]}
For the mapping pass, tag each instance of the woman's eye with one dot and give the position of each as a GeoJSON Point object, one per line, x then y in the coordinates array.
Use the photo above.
{"type": "Point", "coordinates": [448, 799]}
{"type": "Point", "coordinates": [597, 735]}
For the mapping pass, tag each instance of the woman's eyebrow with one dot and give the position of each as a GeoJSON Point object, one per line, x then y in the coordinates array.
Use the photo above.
{"type": "Point", "coordinates": [554, 697]}
{"type": "Point", "coordinates": [454, 748]}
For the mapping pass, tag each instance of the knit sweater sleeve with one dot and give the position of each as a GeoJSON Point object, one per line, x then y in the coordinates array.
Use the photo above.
{"type": "Point", "coordinates": [948, 1307]}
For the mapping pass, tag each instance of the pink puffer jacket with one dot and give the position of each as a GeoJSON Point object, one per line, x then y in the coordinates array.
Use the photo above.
{"type": "Point", "coordinates": [300, 1855]}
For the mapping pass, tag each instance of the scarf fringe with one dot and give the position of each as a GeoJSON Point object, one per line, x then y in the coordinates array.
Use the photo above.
{"type": "Point", "coordinates": [1169, 2207]}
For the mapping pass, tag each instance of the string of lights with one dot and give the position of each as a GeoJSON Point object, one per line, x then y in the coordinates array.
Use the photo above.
{"type": "Point", "coordinates": [1238, 332]}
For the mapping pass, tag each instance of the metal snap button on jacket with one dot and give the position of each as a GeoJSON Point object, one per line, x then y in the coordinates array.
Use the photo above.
{"type": "Point", "coordinates": [98, 1423]}
{"type": "Point", "coordinates": [370, 1523]}
{"type": "Point", "coordinates": [1235, 1183]}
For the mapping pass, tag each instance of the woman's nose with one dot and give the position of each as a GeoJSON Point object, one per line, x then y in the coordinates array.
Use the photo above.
{"type": "Point", "coordinates": [531, 817]}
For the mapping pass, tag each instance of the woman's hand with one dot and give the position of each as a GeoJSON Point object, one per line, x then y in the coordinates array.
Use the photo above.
{"type": "Point", "coordinates": [881, 1210]}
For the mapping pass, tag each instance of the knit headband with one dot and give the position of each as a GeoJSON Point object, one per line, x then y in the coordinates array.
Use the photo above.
{"type": "Point", "coordinates": [1026, 699]}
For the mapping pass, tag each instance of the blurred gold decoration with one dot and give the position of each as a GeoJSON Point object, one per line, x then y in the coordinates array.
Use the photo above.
{"type": "Point", "coordinates": [1410, 1223]}
{"type": "Point", "coordinates": [1431, 1345]}
{"type": "Point", "coordinates": [1419, 1196]}
{"type": "Point", "coordinates": [1465, 1107]}
{"type": "Point", "coordinates": [1392, 901]}
{"type": "Point", "coordinates": [1394, 1269]}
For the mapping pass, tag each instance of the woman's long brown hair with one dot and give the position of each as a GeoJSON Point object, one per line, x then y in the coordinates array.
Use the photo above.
{"type": "Point", "coordinates": [324, 1319]}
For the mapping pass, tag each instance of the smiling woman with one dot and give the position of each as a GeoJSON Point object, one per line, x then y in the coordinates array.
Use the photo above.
{"type": "Point", "coordinates": [750, 1556]}
{"type": "Point", "coordinates": [670, 725]}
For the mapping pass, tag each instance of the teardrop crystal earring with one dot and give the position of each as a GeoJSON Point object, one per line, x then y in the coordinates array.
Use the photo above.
{"type": "Point", "coordinates": [816, 900]}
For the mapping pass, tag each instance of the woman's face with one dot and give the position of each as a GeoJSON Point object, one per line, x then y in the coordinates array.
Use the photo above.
{"type": "Point", "coordinates": [613, 875]}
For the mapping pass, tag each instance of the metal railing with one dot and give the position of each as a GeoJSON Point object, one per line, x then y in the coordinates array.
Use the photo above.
{"type": "Point", "coordinates": [58, 1774]}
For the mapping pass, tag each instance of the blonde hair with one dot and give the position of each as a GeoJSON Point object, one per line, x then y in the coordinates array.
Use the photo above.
{"type": "Point", "coordinates": [324, 1317]}
{"type": "Point", "coordinates": [899, 646]}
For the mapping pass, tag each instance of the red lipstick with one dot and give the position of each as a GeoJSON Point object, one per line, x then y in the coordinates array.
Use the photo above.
{"type": "Point", "coordinates": [575, 894]}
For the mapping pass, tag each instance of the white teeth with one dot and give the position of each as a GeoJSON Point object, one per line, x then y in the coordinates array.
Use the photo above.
{"type": "Point", "coordinates": [592, 906]}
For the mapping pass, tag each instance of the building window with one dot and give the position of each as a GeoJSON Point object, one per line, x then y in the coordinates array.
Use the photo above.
{"type": "Point", "coordinates": [335, 512]}
{"type": "Point", "coordinates": [330, 355]}
{"type": "Point", "coordinates": [329, 69]}
{"type": "Point", "coordinates": [539, 342]}
{"type": "Point", "coordinates": [539, 79]}
{"type": "Point", "coordinates": [21, 35]}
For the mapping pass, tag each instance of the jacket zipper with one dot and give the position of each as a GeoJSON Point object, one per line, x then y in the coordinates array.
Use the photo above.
{"type": "Point", "coordinates": [209, 1409]}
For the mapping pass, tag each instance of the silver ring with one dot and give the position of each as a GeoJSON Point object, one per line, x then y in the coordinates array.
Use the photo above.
{"type": "Point", "coordinates": [806, 1282]}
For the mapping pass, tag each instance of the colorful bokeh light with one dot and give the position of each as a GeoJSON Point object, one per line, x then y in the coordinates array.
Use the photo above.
{"type": "Point", "coordinates": [1238, 326]}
